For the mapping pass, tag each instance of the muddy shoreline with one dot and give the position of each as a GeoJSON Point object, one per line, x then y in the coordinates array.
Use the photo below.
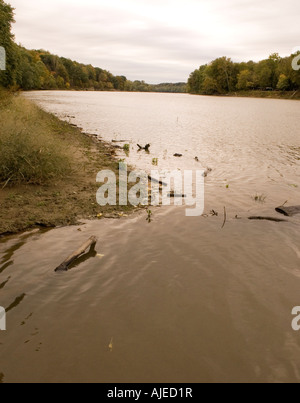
{"type": "Point", "coordinates": [68, 200]}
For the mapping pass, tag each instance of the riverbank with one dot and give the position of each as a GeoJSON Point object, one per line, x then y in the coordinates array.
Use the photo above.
{"type": "Point", "coordinates": [68, 194]}
{"type": "Point", "coordinates": [292, 95]}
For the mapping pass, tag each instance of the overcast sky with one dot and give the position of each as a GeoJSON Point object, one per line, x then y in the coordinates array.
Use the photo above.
{"type": "Point", "coordinates": [158, 40]}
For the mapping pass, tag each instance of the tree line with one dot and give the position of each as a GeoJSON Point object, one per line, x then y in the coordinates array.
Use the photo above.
{"type": "Point", "coordinates": [224, 76]}
{"type": "Point", "coordinates": [41, 70]}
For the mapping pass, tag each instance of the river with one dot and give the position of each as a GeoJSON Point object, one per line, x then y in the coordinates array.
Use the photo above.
{"type": "Point", "coordinates": [180, 299]}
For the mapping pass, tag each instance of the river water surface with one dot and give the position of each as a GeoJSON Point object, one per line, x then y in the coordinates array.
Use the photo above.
{"type": "Point", "coordinates": [179, 299]}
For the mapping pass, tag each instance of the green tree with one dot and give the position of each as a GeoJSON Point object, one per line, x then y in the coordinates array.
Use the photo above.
{"type": "Point", "coordinates": [210, 86]}
{"type": "Point", "coordinates": [8, 77]}
{"type": "Point", "coordinates": [196, 80]}
{"type": "Point", "coordinates": [245, 80]}
{"type": "Point", "coordinates": [283, 83]}
{"type": "Point", "coordinates": [222, 70]}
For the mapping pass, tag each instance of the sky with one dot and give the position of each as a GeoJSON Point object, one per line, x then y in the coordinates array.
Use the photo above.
{"type": "Point", "coordinates": [158, 40]}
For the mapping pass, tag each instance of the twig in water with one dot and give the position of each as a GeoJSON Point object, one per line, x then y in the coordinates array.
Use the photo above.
{"type": "Point", "coordinates": [225, 218]}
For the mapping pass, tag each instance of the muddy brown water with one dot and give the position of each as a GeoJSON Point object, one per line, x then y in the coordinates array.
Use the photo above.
{"type": "Point", "coordinates": [179, 299]}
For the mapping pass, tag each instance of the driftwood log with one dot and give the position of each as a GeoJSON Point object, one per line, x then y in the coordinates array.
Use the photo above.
{"type": "Point", "coordinates": [267, 219]}
{"type": "Point", "coordinates": [75, 255]}
{"type": "Point", "coordinates": [288, 211]}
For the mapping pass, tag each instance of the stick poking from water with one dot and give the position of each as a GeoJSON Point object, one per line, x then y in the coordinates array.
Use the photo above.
{"type": "Point", "coordinates": [225, 218]}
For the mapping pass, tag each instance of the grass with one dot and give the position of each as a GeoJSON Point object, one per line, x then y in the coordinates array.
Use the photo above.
{"type": "Point", "coordinates": [29, 153]}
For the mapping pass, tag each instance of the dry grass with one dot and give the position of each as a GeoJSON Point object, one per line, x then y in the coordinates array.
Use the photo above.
{"type": "Point", "coordinates": [29, 153]}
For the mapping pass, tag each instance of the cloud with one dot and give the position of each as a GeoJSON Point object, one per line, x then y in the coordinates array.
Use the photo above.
{"type": "Point", "coordinates": [158, 40]}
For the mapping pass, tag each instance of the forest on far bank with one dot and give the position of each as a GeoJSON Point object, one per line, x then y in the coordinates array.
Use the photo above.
{"type": "Point", "coordinates": [41, 70]}
{"type": "Point", "coordinates": [224, 76]}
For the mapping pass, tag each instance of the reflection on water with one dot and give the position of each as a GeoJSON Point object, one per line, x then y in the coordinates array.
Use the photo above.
{"type": "Point", "coordinates": [16, 302]}
{"type": "Point", "coordinates": [2, 285]}
{"type": "Point", "coordinates": [182, 300]}
{"type": "Point", "coordinates": [179, 299]}
{"type": "Point", "coordinates": [6, 265]}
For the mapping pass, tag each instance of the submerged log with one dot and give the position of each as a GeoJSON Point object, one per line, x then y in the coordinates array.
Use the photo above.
{"type": "Point", "coordinates": [267, 219]}
{"type": "Point", "coordinates": [288, 211]}
{"type": "Point", "coordinates": [75, 255]}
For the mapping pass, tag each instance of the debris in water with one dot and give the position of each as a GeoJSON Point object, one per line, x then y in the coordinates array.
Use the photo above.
{"type": "Point", "coordinates": [225, 218]}
{"type": "Point", "coordinates": [146, 148]}
{"type": "Point", "coordinates": [172, 194]}
{"type": "Point", "coordinates": [214, 213]}
{"type": "Point", "coordinates": [260, 198]}
{"type": "Point", "coordinates": [157, 181]}
{"type": "Point", "coordinates": [75, 255]}
{"type": "Point", "coordinates": [149, 215]}
{"type": "Point", "coordinates": [288, 211]}
{"type": "Point", "coordinates": [207, 171]}
{"type": "Point", "coordinates": [267, 219]}
{"type": "Point", "coordinates": [111, 345]}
